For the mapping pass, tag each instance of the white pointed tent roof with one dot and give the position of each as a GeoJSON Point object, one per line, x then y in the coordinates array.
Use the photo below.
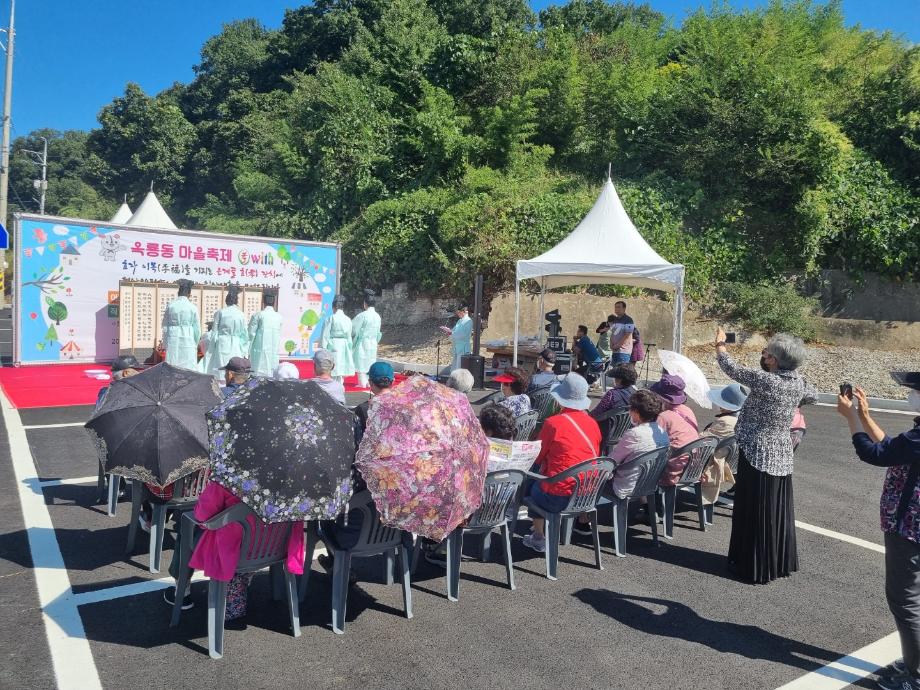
{"type": "Point", "coordinates": [122, 215]}
{"type": "Point", "coordinates": [604, 248]}
{"type": "Point", "coordinates": [151, 215]}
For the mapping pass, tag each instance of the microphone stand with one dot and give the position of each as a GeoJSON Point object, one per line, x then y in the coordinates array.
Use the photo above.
{"type": "Point", "coordinates": [648, 351]}
{"type": "Point", "coordinates": [437, 370]}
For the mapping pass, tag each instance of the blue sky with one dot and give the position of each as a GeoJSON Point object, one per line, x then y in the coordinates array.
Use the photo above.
{"type": "Point", "coordinates": [74, 57]}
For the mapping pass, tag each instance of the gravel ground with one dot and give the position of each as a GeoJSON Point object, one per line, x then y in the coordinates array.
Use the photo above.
{"type": "Point", "coordinates": [827, 366]}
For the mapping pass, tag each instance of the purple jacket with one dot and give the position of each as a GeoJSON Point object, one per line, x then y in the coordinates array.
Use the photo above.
{"type": "Point", "coordinates": [900, 504]}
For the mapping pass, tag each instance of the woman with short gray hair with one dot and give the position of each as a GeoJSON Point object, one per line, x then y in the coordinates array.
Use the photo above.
{"type": "Point", "coordinates": [763, 546]}
{"type": "Point", "coordinates": [460, 380]}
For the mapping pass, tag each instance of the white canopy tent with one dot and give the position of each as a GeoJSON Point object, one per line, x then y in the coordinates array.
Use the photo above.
{"type": "Point", "coordinates": [150, 214]}
{"type": "Point", "coordinates": [122, 215]}
{"type": "Point", "coordinates": [605, 248]}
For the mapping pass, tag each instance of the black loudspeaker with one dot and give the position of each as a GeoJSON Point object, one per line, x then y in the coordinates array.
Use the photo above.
{"type": "Point", "coordinates": [563, 364]}
{"type": "Point", "coordinates": [476, 365]}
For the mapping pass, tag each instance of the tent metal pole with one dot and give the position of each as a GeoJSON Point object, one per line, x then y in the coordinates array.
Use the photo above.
{"type": "Point", "coordinates": [517, 316]}
{"type": "Point", "coordinates": [541, 312]}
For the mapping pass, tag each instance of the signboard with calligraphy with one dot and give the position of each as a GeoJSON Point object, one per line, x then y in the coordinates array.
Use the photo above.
{"type": "Point", "coordinates": [69, 271]}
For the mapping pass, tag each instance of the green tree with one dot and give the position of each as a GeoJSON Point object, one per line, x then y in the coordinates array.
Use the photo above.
{"type": "Point", "coordinates": [57, 311]}
{"type": "Point", "coordinates": [309, 319]}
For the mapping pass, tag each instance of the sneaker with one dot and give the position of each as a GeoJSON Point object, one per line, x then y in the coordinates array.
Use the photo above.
{"type": "Point", "coordinates": [903, 681]}
{"type": "Point", "coordinates": [144, 523]}
{"type": "Point", "coordinates": [583, 528]}
{"type": "Point", "coordinates": [533, 542]}
{"type": "Point", "coordinates": [169, 596]}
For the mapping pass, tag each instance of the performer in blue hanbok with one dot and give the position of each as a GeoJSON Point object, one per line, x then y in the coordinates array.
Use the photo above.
{"type": "Point", "coordinates": [365, 329]}
{"type": "Point", "coordinates": [182, 329]}
{"type": "Point", "coordinates": [336, 338]}
{"type": "Point", "coordinates": [265, 338]}
{"type": "Point", "coordinates": [229, 337]}
{"type": "Point", "coordinates": [461, 334]}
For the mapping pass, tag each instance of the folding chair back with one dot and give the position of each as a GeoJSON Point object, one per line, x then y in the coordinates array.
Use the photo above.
{"type": "Point", "coordinates": [525, 424]}
{"type": "Point", "coordinates": [699, 453]}
{"type": "Point", "coordinates": [731, 449]}
{"type": "Point", "coordinates": [614, 424]}
{"type": "Point", "coordinates": [798, 435]}
{"type": "Point", "coordinates": [498, 492]}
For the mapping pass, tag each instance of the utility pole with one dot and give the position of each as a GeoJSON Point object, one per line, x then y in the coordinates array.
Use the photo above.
{"type": "Point", "coordinates": [40, 158]}
{"type": "Point", "coordinates": [5, 143]}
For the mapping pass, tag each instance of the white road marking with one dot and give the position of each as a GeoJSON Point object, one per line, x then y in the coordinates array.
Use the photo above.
{"type": "Point", "coordinates": [842, 537]}
{"type": "Point", "coordinates": [872, 410]}
{"type": "Point", "coordinates": [29, 427]}
{"type": "Point", "coordinates": [130, 590]}
{"type": "Point", "coordinates": [851, 668]}
{"type": "Point", "coordinates": [71, 656]}
{"type": "Point", "coordinates": [67, 482]}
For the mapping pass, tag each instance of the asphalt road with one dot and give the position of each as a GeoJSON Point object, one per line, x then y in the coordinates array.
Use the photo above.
{"type": "Point", "coordinates": [661, 617]}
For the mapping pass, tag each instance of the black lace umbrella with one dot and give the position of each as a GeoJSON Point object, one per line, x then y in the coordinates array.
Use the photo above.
{"type": "Point", "coordinates": [285, 448]}
{"type": "Point", "coordinates": [151, 426]}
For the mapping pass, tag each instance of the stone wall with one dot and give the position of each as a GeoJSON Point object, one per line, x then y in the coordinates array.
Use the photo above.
{"type": "Point", "coordinates": [398, 308]}
{"type": "Point", "coordinates": [873, 298]}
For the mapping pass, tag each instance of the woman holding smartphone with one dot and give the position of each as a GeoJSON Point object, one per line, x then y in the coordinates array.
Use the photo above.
{"type": "Point", "coordinates": [763, 545]}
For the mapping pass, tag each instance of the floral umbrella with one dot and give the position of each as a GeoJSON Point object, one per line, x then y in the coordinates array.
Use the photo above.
{"type": "Point", "coordinates": [285, 448]}
{"type": "Point", "coordinates": [424, 457]}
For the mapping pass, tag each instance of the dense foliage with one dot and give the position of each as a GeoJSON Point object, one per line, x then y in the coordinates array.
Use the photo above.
{"type": "Point", "coordinates": [440, 138]}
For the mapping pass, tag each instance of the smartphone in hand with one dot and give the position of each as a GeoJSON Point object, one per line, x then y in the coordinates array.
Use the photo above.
{"type": "Point", "coordinates": [846, 390]}
{"type": "Point", "coordinates": [729, 338]}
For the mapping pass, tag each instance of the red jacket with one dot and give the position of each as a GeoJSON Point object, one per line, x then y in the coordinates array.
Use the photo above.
{"type": "Point", "coordinates": [563, 447]}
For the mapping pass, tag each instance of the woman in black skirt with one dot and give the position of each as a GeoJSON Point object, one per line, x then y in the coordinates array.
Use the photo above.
{"type": "Point", "coordinates": [762, 546]}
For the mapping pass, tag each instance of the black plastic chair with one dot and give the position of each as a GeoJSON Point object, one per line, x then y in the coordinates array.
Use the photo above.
{"type": "Point", "coordinates": [374, 539]}
{"type": "Point", "coordinates": [185, 495]}
{"type": "Point", "coordinates": [729, 445]}
{"type": "Point", "coordinates": [651, 466]}
{"type": "Point", "coordinates": [699, 454]}
{"type": "Point", "coordinates": [544, 403]}
{"type": "Point", "coordinates": [525, 424]}
{"type": "Point", "coordinates": [264, 546]}
{"type": "Point", "coordinates": [613, 423]}
{"type": "Point", "coordinates": [590, 477]}
{"type": "Point", "coordinates": [498, 495]}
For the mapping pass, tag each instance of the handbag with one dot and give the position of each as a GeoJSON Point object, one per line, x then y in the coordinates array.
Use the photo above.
{"type": "Point", "coordinates": [638, 349]}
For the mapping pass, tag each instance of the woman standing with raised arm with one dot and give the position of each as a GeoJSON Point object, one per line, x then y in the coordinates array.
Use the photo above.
{"type": "Point", "coordinates": [763, 545]}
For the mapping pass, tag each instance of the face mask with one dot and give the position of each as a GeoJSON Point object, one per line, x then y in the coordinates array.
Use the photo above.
{"type": "Point", "coordinates": [763, 364]}
{"type": "Point", "coordinates": [913, 399]}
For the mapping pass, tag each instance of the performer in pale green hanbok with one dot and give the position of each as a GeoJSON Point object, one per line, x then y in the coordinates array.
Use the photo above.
{"type": "Point", "coordinates": [265, 338]}
{"type": "Point", "coordinates": [336, 338]}
{"type": "Point", "coordinates": [365, 336]}
{"type": "Point", "coordinates": [182, 329]}
{"type": "Point", "coordinates": [460, 335]}
{"type": "Point", "coordinates": [229, 337]}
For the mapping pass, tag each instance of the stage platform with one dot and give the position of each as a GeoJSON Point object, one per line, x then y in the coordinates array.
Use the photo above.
{"type": "Point", "coordinates": [57, 385]}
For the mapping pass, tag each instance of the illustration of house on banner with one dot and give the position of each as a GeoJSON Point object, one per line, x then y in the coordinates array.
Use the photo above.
{"type": "Point", "coordinates": [70, 350]}
{"type": "Point", "coordinates": [69, 255]}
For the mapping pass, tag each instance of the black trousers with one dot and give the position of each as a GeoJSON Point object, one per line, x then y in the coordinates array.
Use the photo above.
{"type": "Point", "coordinates": [902, 589]}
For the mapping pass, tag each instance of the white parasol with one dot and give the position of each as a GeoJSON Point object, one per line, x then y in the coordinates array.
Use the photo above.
{"type": "Point", "coordinates": [696, 385]}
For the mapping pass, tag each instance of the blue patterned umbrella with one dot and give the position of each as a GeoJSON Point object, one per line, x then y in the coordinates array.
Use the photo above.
{"type": "Point", "coordinates": [285, 448]}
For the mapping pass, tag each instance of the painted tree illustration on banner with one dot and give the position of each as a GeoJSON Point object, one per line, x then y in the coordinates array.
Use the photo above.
{"type": "Point", "coordinates": [289, 347]}
{"type": "Point", "coordinates": [309, 319]}
{"type": "Point", "coordinates": [57, 311]}
{"type": "Point", "coordinates": [48, 282]}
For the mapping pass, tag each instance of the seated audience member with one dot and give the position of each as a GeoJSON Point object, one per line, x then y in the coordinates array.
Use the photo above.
{"type": "Point", "coordinates": [544, 378]}
{"type": "Point", "coordinates": [514, 383]}
{"type": "Point", "coordinates": [323, 364]}
{"type": "Point", "coordinates": [287, 370]}
{"type": "Point", "coordinates": [497, 422]}
{"type": "Point", "coordinates": [380, 378]}
{"type": "Point", "coordinates": [586, 354]}
{"type": "Point", "coordinates": [567, 439]}
{"type": "Point", "coordinates": [460, 380]}
{"type": "Point", "coordinates": [677, 420]}
{"type": "Point", "coordinates": [718, 476]}
{"type": "Point", "coordinates": [218, 551]}
{"type": "Point", "coordinates": [624, 385]}
{"type": "Point", "coordinates": [645, 435]}
{"type": "Point", "coordinates": [236, 373]}
{"type": "Point", "coordinates": [122, 368]}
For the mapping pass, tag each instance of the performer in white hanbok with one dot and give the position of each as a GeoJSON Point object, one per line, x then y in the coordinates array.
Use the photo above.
{"type": "Point", "coordinates": [336, 338]}
{"type": "Point", "coordinates": [365, 329]}
{"type": "Point", "coordinates": [182, 329]}
{"type": "Point", "coordinates": [265, 338]}
{"type": "Point", "coordinates": [229, 337]}
{"type": "Point", "coordinates": [461, 334]}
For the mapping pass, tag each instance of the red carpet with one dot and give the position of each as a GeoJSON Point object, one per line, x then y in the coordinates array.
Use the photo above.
{"type": "Point", "coordinates": [61, 385]}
